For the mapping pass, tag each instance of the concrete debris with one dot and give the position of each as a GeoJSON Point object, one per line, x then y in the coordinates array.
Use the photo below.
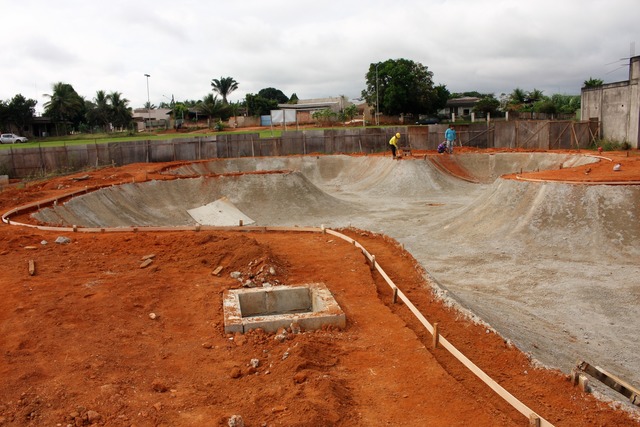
{"type": "Point", "coordinates": [236, 275]}
{"type": "Point", "coordinates": [281, 335]}
{"type": "Point", "coordinates": [153, 316]}
{"type": "Point", "coordinates": [254, 363]}
{"type": "Point", "coordinates": [63, 240]}
{"type": "Point", "coordinates": [249, 284]}
{"type": "Point", "coordinates": [295, 328]}
{"type": "Point", "coordinates": [236, 421]}
{"type": "Point", "coordinates": [617, 167]}
{"type": "Point", "coordinates": [44, 243]}
{"type": "Point", "coordinates": [146, 263]}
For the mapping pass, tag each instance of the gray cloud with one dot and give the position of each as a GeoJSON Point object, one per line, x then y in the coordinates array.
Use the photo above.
{"type": "Point", "coordinates": [312, 49]}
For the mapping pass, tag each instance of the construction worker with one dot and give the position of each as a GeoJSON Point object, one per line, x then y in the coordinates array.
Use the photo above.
{"type": "Point", "coordinates": [393, 143]}
{"type": "Point", "coordinates": [450, 138]}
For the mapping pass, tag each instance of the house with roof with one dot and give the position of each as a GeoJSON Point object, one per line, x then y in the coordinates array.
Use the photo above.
{"type": "Point", "coordinates": [305, 108]}
{"type": "Point", "coordinates": [152, 118]}
{"type": "Point", "coordinates": [461, 107]}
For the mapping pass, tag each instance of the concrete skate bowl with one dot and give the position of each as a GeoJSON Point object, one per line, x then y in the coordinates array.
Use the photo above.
{"type": "Point", "coordinates": [272, 198]}
{"type": "Point", "coordinates": [550, 266]}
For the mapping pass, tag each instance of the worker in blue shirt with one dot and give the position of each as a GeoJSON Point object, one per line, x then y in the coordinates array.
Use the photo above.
{"type": "Point", "coordinates": [450, 138]}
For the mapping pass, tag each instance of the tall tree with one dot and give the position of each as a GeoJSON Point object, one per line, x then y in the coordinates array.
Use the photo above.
{"type": "Point", "coordinates": [224, 87]}
{"type": "Point", "coordinates": [273, 93]}
{"type": "Point", "coordinates": [259, 106]}
{"type": "Point", "coordinates": [99, 114]}
{"type": "Point", "coordinates": [21, 111]}
{"type": "Point", "coordinates": [211, 107]}
{"type": "Point", "coordinates": [401, 86]}
{"type": "Point", "coordinates": [516, 100]}
{"type": "Point", "coordinates": [120, 111]}
{"type": "Point", "coordinates": [593, 82]}
{"type": "Point", "coordinates": [64, 105]}
{"type": "Point", "coordinates": [4, 114]}
{"type": "Point", "coordinates": [534, 96]}
{"type": "Point", "coordinates": [487, 104]}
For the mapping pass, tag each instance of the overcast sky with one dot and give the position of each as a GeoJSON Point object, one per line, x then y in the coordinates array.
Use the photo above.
{"type": "Point", "coordinates": [312, 48]}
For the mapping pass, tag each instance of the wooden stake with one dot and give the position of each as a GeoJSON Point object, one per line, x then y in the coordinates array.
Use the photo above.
{"type": "Point", "coordinates": [534, 420]}
{"type": "Point", "coordinates": [32, 267]}
{"type": "Point", "coordinates": [373, 262]}
{"type": "Point", "coordinates": [240, 223]}
{"type": "Point", "coordinates": [395, 295]}
{"type": "Point", "coordinates": [583, 383]}
{"type": "Point", "coordinates": [436, 335]}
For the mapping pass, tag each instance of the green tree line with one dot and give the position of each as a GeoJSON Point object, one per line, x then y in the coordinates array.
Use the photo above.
{"type": "Point", "coordinates": [393, 87]}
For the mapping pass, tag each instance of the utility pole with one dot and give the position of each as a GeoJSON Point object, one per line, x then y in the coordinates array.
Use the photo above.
{"type": "Point", "coordinates": [148, 100]}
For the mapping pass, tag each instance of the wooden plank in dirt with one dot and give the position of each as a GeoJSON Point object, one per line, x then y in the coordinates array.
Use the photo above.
{"type": "Point", "coordinates": [611, 381]}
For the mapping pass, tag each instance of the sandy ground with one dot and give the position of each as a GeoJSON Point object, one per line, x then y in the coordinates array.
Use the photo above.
{"type": "Point", "coordinates": [79, 346]}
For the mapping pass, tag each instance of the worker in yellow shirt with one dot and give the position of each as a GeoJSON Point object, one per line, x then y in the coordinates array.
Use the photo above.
{"type": "Point", "coordinates": [393, 143]}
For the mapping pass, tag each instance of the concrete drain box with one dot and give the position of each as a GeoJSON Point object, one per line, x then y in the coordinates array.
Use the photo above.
{"type": "Point", "coordinates": [311, 306]}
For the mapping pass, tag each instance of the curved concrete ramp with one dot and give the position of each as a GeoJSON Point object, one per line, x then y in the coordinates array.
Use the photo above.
{"type": "Point", "coordinates": [488, 167]}
{"type": "Point", "coordinates": [551, 266]}
{"type": "Point", "coordinates": [268, 199]}
{"type": "Point", "coordinates": [585, 220]}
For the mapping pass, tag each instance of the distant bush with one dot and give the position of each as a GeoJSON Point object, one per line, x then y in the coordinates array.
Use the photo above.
{"type": "Point", "coordinates": [608, 145]}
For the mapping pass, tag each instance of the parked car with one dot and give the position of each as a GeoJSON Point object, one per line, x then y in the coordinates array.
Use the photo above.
{"type": "Point", "coordinates": [428, 121]}
{"type": "Point", "coordinates": [11, 138]}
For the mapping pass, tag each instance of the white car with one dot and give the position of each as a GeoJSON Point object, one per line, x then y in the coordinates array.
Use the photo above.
{"type": "Point", "coordinates": [11, 138]}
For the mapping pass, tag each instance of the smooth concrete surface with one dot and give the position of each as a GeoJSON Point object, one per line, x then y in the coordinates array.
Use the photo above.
{"type": "Point", "coordinates": [552, 267]}
{"type": "Point", "coordinates": [220, 213]}
{"type": "Point", "coordinates": [311, 306]}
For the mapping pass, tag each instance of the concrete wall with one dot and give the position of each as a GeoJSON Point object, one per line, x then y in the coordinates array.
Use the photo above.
{"type": "Point", "coordinates": [40, 161]}
{"type": "Point", "coordinates": [616, 106]}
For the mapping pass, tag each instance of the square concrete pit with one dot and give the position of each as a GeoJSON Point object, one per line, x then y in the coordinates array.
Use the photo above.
{"type": "Point", "coordinates": [310, 305]}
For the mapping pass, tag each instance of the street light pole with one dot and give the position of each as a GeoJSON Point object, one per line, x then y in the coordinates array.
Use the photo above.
{"type": "Point", "coordinates": [148, 99]}
{"type": "Point", "coordinates": [377, 99]}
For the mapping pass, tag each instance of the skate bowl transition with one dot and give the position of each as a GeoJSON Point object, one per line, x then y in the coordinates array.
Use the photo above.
{"type": "Point", "coordinates": [551, 266]}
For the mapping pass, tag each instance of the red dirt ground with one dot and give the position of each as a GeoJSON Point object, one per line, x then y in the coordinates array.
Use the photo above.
{"type": "Point", "coordinates": [79, 347]}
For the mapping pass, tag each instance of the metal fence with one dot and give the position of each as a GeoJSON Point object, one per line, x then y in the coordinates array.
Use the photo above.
{"type": "Point", "coordinates": [43, 160]}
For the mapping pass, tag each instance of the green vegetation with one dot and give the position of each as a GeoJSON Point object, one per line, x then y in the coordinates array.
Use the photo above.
{"type": "Point", "coordinates": [224, 87]}
{"type": "Point", "coordinates": [535, 101]}
{"type": "Point", "coordinates": [593, 82]}
{"type": "Point", "coordinates": [608, 145]}
{"type": "Point", "coordinates": [403, 87]}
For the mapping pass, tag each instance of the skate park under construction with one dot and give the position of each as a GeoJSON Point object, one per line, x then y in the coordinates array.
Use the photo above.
{"type": "Point", "coordinates": [551, 266]}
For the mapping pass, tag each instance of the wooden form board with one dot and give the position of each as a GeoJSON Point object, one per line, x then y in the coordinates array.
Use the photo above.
{"type": "Point", "coordinates": [610, 380]}
{"type": "Point", "coordinates": [534, 419]}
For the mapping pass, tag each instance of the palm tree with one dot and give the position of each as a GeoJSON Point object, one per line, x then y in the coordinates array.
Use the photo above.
{"type": "Point", "coordinates": [120, 112]}
{"type": "Point", "coordinates": [100, 111]}
{"type": "Point", "coordinates": [534, 96]}
{"type": "Point", "coordinates": [64, 105]}
{"type": "Point", "coordinates": [517, 99]}
{"type": "Point", "coordinates": [211, 107]}
{"type": "Point", "coordinates": [224, 87]}
{"type": "Point", "coordinates": [593, 82]}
